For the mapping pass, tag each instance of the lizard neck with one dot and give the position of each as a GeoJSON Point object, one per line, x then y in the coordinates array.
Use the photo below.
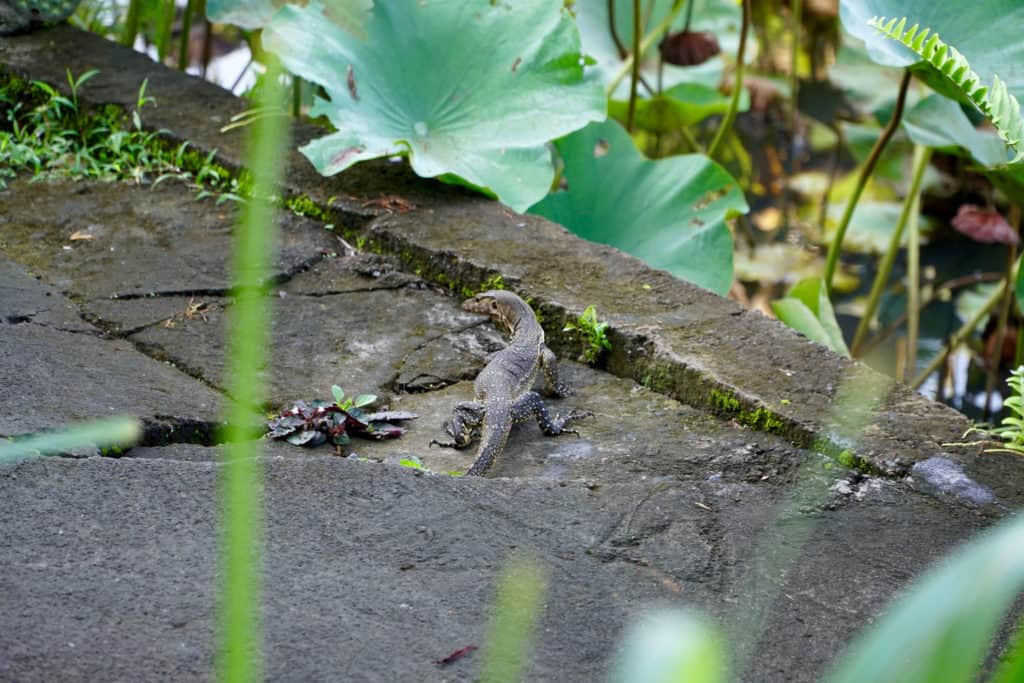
{"type": "Point", "coordinates": [524, 328]}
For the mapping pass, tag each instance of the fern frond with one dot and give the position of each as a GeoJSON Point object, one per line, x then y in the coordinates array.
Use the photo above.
{"type": "Point", "coordinates": [997, 103]}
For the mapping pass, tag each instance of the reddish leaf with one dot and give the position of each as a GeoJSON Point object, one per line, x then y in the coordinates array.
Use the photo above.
{"type": "Point", "coordinates": [689, 48]}
{"type": "Point", "coordinates": [457, 655]}
{"type": "Point", "coordinates": [984, 225]}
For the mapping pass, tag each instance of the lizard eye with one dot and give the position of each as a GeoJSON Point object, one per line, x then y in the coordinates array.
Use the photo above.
{"type": "Point", "coordinates": [494, 306]}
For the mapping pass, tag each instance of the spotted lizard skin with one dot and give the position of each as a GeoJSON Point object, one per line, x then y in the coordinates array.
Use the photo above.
{"type": "Point", "coordinates": [503, 391]}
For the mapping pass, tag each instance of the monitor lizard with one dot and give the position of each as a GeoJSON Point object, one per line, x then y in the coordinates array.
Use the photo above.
{"type": "Point", "coordinates": [503, 391]}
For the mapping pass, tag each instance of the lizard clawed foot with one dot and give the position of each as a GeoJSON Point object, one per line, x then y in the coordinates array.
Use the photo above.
{"type": "Point", "coordinates": [561, 421]}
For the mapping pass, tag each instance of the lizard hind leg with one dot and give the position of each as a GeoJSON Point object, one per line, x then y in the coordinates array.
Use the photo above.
{"type": "Point", "coordinates": [531, 405]}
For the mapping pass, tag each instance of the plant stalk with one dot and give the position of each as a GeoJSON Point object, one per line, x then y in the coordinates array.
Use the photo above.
{"type": "Point", "coordinates": [796, 19]}
{"type": "Point", "coordinates": [239, 657]}
{"type": "Point", "coordinates": [921, 157]}
{"type": "Point", "coordinates": [865, 172]}
{"type": "Point", "coordinates": [131, 23]}
{"type": "Point", "coordinates": [914, 276]}
{"type": "Point", "coordinates": [737, 86]}
{"type": "Point", "coordinates": [163, 31]}
{"type": "Point", "coordinates": [959, 336]}
{"type": "Point", "coordinates": [631, 108]}
{"type": "Point", "coordinates": [947, 286]}
{"type": "Point", "coordinates": [183, 39]}
{"type": "Point", "coordinates": [995, 360]}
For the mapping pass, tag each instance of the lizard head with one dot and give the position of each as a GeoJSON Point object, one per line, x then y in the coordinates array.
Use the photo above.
{"type": "Point", "coordinates": [502, 307]}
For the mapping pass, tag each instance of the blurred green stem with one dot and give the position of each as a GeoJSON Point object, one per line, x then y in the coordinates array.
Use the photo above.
{"type": "Point", "coordinates": [921, 157]}
{"type": "Point", "coordinates": [959, 336]}
{"type": "Point", "coordinates": [862, 180]}
{"type": "Point", "coordinates": [163, 31]}
{"type": "Point", "coordinates": [995, 360]}
{"type": "Point", "coordinates": [938, 291]}
{"type": "Point", "coordinates": [737, 86]}
{"type": "Point", "coordinates": [796, 14]}
{"type": "Point", "coordinates": [183, 39]}
{"type": "Point", "coordinates": [914, 276]}
{"type": "Point", "coordinates": [1004, 315]}
{"type": "Point", "coordinates": [131, 23]}
{"type": "Point", "coordinates": [122, 432]}
{"type": "Point", "coordinates": [239, 656]}
{"type": "Point", "coordinates": [631, 109]}
{"type": "Point", "coordinates": [522, 584]}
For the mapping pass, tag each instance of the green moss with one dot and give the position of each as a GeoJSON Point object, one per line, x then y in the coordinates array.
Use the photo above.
{"type": "Point", "coordinates": [657, 378]}
{"type": "Point", "coordinates": [763, 420]}
{"type": "Point", "coordinates": [847, 459]}
{"type": "Point", "coordinates": [496, 281]}
{"type": "Point", "coordinates": [302, 205]}
{"type": "Point", "coordinates": [723, 402]}
{"type": "Point", "coordinates": [760, 418]}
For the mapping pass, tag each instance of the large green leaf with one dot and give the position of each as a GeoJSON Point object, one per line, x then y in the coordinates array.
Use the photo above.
{"type": "Point", "coordinates": [245, 13]}
{"type": "Point", "coordinates": [989, 33]}
{"type": "Point", "coordinates": [670, 213]}
{"type": "Point", "coordinates": [465, 88]}
{"type": "Point", "coordinates": [350, 15]}
{"type": "Point", "coordinates": [939, 122]}
{"type": "Point", "coordinates": [806, 308]}
{"type": "Point", "coordinates": [942, 628]}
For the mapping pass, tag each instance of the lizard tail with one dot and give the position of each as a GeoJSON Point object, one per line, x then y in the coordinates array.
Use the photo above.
{"type": "Point", "coordinates": [497, 424]}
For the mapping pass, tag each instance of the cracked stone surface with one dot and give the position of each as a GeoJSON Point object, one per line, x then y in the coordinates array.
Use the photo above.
{"type": "Point", "coordinates": [59, 369]}
{"type": "Point", "coordinates": [113, 299]}
{"type": "Point", "coordinates": [118, 559]}
{"type": "Point", "coordinates": [103, 240]}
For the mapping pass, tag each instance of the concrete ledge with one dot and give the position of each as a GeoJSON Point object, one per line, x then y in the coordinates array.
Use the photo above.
{"type": "Point", "coordinates": [669, 335]}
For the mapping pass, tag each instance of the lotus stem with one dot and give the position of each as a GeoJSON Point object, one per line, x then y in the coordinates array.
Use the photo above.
{"type": "Point", "coordinates": [921, 157]}
{"type": "Point", "coordinates": [737, 86]}
{"type": "Point", "coordinates": [865, 172]}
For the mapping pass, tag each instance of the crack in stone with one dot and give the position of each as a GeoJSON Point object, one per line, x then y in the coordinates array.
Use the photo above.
{"type": "Point", "coordinates": [176, 293]}
{"type": "Point", "coordinates": [160, 355]}
{"type": "Point", "coordinates": [165, 430]}
{"type": "Point", "coordinates": [354, 290]}
{"type": "Point", "coordinates": [443, 382]}
{"type": "Point", "coordinates": [225, 292]}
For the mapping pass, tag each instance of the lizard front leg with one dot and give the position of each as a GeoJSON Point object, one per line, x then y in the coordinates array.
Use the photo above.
{"type": "Point", "coordinates": [464, 426]}
{"type": "Point", "coordinates": [554, 384]}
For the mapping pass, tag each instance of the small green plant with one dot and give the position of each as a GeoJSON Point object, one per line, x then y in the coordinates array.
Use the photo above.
{"type": "Point", "coordinates": [494, 282]}
{"type": "Point", "coordinates": [1011, 431]}
{"type": "Point", "coordinates": [593, 332]}
{"type": "Point", "coordinates": [51, 135]}
{"type": "Point", "coordinates": [348, 403]}
{"type": "Point", "coordinates": [311, 424]}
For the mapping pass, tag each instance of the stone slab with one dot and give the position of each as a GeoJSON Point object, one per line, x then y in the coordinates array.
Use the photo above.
{"type": "Point", "coordinates": [57, 369]}
{"type": "Point", "coordinates": [102, 240]}
{"type": "Point", "coordinates": [373, 573]}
